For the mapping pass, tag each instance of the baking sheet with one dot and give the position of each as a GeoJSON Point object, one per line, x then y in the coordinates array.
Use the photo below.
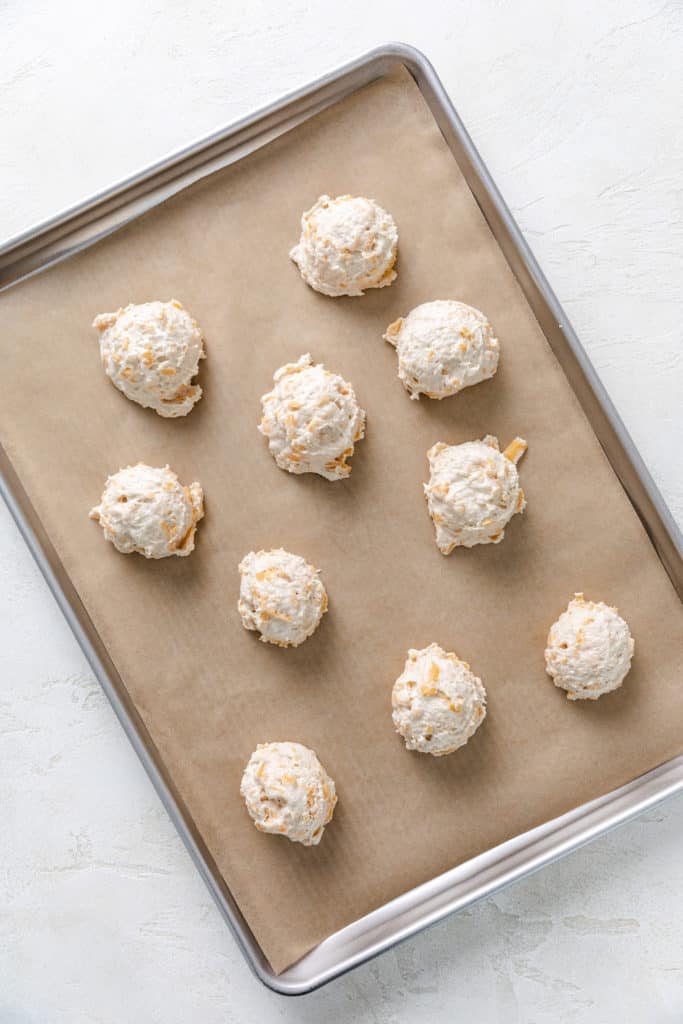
{"type": "Point", "coordinates": [208, 691]}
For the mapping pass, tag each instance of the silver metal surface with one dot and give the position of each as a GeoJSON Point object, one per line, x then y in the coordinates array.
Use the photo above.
{"type": "Point", "coordinates": [85, 224]}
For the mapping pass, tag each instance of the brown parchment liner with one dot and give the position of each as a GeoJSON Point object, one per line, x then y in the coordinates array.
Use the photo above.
{"type": "Point", "coordinates": [207, 690]}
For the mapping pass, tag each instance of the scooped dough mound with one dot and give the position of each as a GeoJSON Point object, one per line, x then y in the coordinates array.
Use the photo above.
{"type": "Point", "coordinates": [589, 649]}
{"type": "Point", "coordinates": [438, 703]}
{"type": "Point", "coordinates": [443, 347]}
{"type": "Point", "coordinates": [288, 792]}
{"type": "Point", "coordinates": [347, 244]}
{"type": "Point", "coordinates": [148, 510]}
{"type": "Point", "coordinates": [281, 597]}
{"type": "Point", "coordinates": [312, 420]}
{"type": "Point", "coordinates": [473, 491]}
{"type": "Point", "coordinates": [151, 352]}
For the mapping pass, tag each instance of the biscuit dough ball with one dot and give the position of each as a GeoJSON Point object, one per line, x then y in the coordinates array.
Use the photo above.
{"type": "Point", "coordinates": [347, 244]}
{"type": "Point", "coordinates": [589, 649]}
{"type": "Point", "coordinates": [473, 491]}
{"type": "Point", "coordinates": [281, 597]}
{"type": "Point", "coordinates": [151, 352]}
{"type": "Point", "coordinates": [288, 792]}
{"type": "Point", "coordinates": [443, 347]}
{"type": "Point", "coordinates": [438, 703]}
{"type": "Point", "coordinates": [148, 510]}
{"type": "Point", "coordinates": [312, 420]}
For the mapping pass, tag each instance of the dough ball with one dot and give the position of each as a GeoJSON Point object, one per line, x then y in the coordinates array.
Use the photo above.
{"type": "Point", "coordinates": [347, 244]}
{"type": "Point", "coordinates": [589, 649]}
{"type": "Point", "coordinates": [438, 703]}
{"type": "Point", "coordinates": [151, 352]}
{"type": "Point", "coordinates": [288, 792]}
{"type": "Point", "coordinates": [312, 420]}
{"type": "Point", "coordinates": [473, 491]}
{"type": "Point", "coordinates": [443, 347]}
{"type": "Point", "coordinates": [148, 510]}
{"type": "Point", "coordinates": [281, 597]}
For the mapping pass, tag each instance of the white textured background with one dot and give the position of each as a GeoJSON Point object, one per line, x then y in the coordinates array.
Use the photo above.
{"type": "Point", "coordinates": [577, 110]}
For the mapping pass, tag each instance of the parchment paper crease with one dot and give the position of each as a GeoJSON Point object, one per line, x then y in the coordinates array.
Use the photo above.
{"type": "Point", "coordinates": [208, 691]}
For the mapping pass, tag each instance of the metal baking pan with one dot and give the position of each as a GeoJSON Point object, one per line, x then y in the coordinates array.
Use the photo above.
{"type": "Point", "coordinates": [92, 220]}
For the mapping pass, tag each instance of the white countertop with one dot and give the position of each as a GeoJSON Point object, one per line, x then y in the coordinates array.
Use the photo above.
{"type": "Point", "coordinates": [576, 109]}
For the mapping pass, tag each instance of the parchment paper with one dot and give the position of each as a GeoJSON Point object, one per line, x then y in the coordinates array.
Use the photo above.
{"type": "Point", "coordinates": [206, 689]}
